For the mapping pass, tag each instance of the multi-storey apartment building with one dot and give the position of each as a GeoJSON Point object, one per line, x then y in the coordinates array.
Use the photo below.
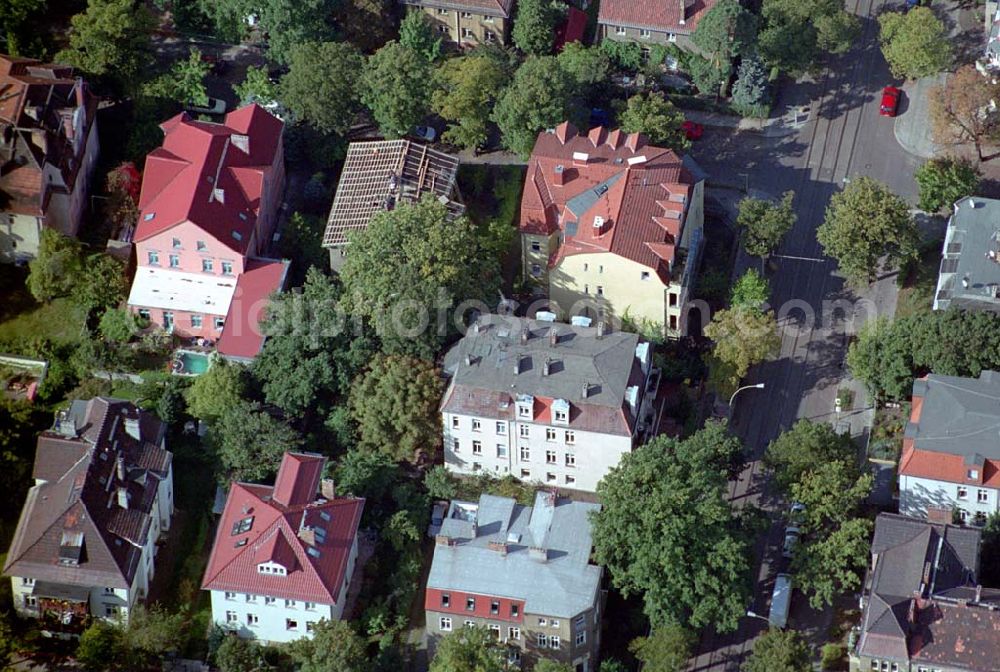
{"type": "Point", "coordinates": [523, 572]}
{"type": "Point", "coordinates": [969, 276]}
{"type": "Point", "coordinates": [48, 149]}
{"type": "Point", "coordinates": [467, 23]}
{"type": "Point", "coordinates": [923, 607]}
{"type": "Point", "coordinates": [208, 208]}
{"type": "Point", "coordinates": [545, 401]}
{"type": "Point", "coordinates": [284, 555]}
{"type": "Point", "coordinates": [611, 226]}
{"type": "Point", "coordinates": [85, 544]}
{"type": "Point", "coordinates": [951, 450]}
{"type": "Point", "coordinates": [647, 23]}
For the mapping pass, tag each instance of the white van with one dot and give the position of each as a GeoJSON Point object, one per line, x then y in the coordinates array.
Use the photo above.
{"type": "Point", "coordinates": [781, 601]}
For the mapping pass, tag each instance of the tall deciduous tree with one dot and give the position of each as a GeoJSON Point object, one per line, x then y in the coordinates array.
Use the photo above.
{"type": "Point", "coordinates": [666, 649]}
{"type": "Point", "coordinates": [796, 31]}
{"type": "Point", "coordinates": [221, 387]}
{"type": "Point", "coordinates": [416, 32]}
{"type": "Point", "coordinates": [250, 442]}
{"type": "Point", "coordinates": [944, 180]}
{"type": "Point", "coordinates": [470, 649]}
{"type": "Point", "coordinates": [333, 647]}
{"type": "Point", "coordinates": [535, 25]}
{"type": "Point", "coordinates": [394, 86]}
{"type": "Point", "coordinates": [831, 492]}
{"type": "Point", "coordinates": [833, 563]}
{"type": "Point", "coordinates": [321, 86]}
{"type": "Point", "coordinates": [779, 651]}
{"type": "Point", "coordinates": [727, 30]}
{"type": "Point", "coordinates": [765, 223]}
{"type": "Point", "coordinates": [309, 354]}
{"type": "Point", "coordinates": [538, 98]}
{"type": "Point", "coordinates": [256, 87]}
{"type": "Point", "coordinates": [236, 654]}
{"type": "Point", "coordinates": [184, 82]}
{"type": "Point", "coordinates": [367, 24]}
{"type": "Point", "coordinates": [956, 109]}
{"type": "Point", "coordinates": [750, 291]}
{"type": "Point", "coordinates": [882, 358]}
{"type": "Point", "coordinates": [410, 268]}
{"type": "Point", "coordinates": [743, 338]}
{"type": "Point", "coordinates": [466, 92]}
{"type": "Point", "coordinates": [286, 23]}
{"type": "Point", "coordinates": [657, 118]}
{"type": "Point", "coordinates": [110, 40]}
{"type": "Point", "coordinates": [666, 531]}
{"type": "Point", "coordinates": [123, 184]}
{"type": "Point", "coordinates": [915, 43]}
{"type": "Point", "coordinates": [394, 404]}
{"type": "Point", "coordinates": [589, 67]}
{"type": "Point", "coordinates": [864, 224]}
{"type": "Point", "coordinates": [55, 269]}
{"type": "Point", "coordinates": [102, 283]}
{"type": "Point", "coordinates": [800, 449]}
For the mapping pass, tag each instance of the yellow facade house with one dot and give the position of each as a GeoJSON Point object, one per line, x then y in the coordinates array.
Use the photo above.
{"type": "Point", "coordinates": [611, 227]}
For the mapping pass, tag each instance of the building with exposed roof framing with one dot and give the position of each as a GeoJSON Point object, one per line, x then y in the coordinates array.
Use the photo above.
{"type": "Point", "coordinates": [376, 177]}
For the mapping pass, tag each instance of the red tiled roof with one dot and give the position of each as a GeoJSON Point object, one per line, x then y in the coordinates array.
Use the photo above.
{"type": "Point", "coordinates": [490, 7]}
{"type": "Point", "coordinates": [242, 336]}
{"type": "Point", "coordinates": [298, 479]}
{"type": "Point", "coordinates": [197, 158]}
{"type": "Point", "coordinates": [660, 14]}
{"type": "Point", "coordinates": [639, 191]}
{"type": "Point", "coordinates": [572, 29]}
{"type": "Point", "coordinates": [315, 570]}
{"type": "Point", "coordinates": [943, 466]}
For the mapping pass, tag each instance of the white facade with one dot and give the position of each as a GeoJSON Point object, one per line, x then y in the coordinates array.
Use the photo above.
{"type": "Point", "coordinates": [973, 502]}
{"type": "Point", "coordinates": [275, 619]}
{"type": "Point", "coordinates": [552, 454]}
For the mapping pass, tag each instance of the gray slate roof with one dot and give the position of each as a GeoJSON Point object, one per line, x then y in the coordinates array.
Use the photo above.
{"type": "Point", "coordinates": [973, 232]}
{"type": "Point", "coordinates": [563, 585]}
{"type": "Point", "coordinates": [960, 416]}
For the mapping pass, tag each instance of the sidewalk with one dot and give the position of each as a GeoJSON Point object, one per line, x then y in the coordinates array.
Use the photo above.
{"type": "Point", "coordinates": [773, 127]}
{"type": "Point", "coordinates": [913, 127]}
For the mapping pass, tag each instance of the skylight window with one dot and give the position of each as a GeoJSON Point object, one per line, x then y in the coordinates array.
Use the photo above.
{"type": "Point", "coordinates": [242, 526]}
{"type": "Point", "coordinates": [148, 217]}
{"type": "Point", "coordinates": [313, 551]}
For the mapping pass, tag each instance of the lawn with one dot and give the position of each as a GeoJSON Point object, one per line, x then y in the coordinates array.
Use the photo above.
{"type": "Point", "coordinates": [61, 320]}
{"type": "Point", "coordinates": [919, 280]}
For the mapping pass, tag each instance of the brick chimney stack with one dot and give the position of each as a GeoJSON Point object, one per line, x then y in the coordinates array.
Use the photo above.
{"type": "Point", "coordinates": [683, 11]}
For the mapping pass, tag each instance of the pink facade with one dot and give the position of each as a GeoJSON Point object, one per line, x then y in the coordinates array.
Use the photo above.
{"type": "Point", "coordinates": [187, 247]}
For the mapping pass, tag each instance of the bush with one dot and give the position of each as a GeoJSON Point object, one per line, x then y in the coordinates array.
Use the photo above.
{"type": "Point", "coordinates": [832, 656]}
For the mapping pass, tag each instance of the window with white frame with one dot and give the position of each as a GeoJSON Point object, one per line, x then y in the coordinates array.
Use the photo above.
{"type": "Point", "coordinates": [310, 606]}
{"type": "Point", "coordinates": [442, 12]}
{"type": "Point", "coordinates": [671, 37]}
{"type": "Point", "coordinates": [445, 624]}
{"type": "Point", "coordinates": [581, 638]}
{"type": "Point", "coordinates": [526, 473]}
{"type": "Point", "coordinates": [290, 604]}
{"type": "Point", "coordinates": [477, 447]}
{"type": "Point", "coordinates": [310, 626]}
{"type": "Point", "coordinates": [963, 493]}
{"type": "Point", "coordinates": [476, 425]}
{"type": "Point", "coordinates": [269, 601]}
{"type": "Point", "coordinates": [554, 623]}
{"type": "Point", "coordinates": [570, 460]}
{"type": "Point", "coordinates": [550, 434]}
{"type": "Point", "coordinates": [542, 640]}
{"type": "Point", "coordinates": [501, 450]}
{"type": "Point", "coordinates": [514, 633]}
{"type": "Point", "coordinates": [196, 321]}
{"type": "Point", "coordinates": [466, 15]}
{"type": "Point", "coordinates": [644, 275]}
{"type": "Point", "coordinates": [489, 36]}
{"type": "Point", "coordinates": [470, 624]}
{"type": "Point", "coordinates": [495, 631]}
{"type": "Point", "coordinates": [550, 477]}
{"type": "Point", "coordinates": [30, 601]}
{"type": "Point", "coordinates": [644, 33]}
{"type": "Point", "coordinates": [445, 599]}
{"type": "Point", "coordinates": [489, 19]}
{"type": "Point", "coordinates": [218, 323]}
{"type": "Point", "coordinates": [227, 268]}
{"type": "Point", "coordinates": [550, 457]}
{"type": "Point", "coordinates": [232, 617]}
{"type": "Point", "coordinates": [570, 480]}
{"type": "Point", "coordinates": [154, 258]}
{"type": "Point", "coordinates": [27, 581]}
{"type": "Point", "coordinates": [560, 416]}
{"type": "Point", "coordinates": [251, 598]}
{"type": "Point", "coordinates": [467, 34]}
{"type": "Point", "coordinates": [454, 422]}
{"type": "Point", "coordinates": [570, 437]}
{"type": "Point", "coordinates": [982, 496]}
{"type": "Point", "coordinates": [554, 642]}
{"type": "Point", "coordinates": [176, 243]}
{"type": "Point", "coordinates": [455, 445]}
{"type": "Point", "coordinates": [230, 596]}
{"type": "Point", "coordinates": [252, 619]}
{"type": "Point", "coordinates": [175, 260]}
{"type": "Point", "coordinates": [524, 431]}
{"type": "Point", "coordinates": [291, 624]}
{"type": "Point", "coordinates": [536, 246]}
{"type": "Point", "coordinates": [206, 265]}
{"type": "Point", "coordinates": [442, 28]}
{"type": "Point", "coordinates": [620, 30]}
{"type": "Point", "coordinates": [525, 454]}
{"type": "Point", "coordinates": [201, 246]}
{"type": "Point", "coordinates": [542, 622]}
{"type": "Point", "coordinates": [470, 604]}
{"type": "Point", "coordinates": [502, 428]}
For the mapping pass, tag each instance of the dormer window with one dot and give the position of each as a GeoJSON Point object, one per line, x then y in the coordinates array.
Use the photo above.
{"type": "Point", "coordinates": [525, 406]}
{"type": "Point", "coordinates": [973, 474]}
{"type": "Point", "coordinates": [560, 412]}
{"type": "Point", "coordinates": [271, 568]}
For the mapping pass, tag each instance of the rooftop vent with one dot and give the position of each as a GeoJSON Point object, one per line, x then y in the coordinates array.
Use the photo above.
{"type": "Point", "coordinates": [636, 160]}
{"type": "Point", "coordinates": [546, 366]}
{"type": "Point", "coordinates": [553, 336]}
{"type": "Point", "coordinates": [545, 316]}
{"type": "Point", "coordinates": [580, 158]}
{"type": "Point", "coordinates": [598, 222]}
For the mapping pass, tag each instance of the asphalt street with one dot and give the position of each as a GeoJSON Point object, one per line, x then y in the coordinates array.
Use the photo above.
{"type": "Point", "coordinates": [843, 138]}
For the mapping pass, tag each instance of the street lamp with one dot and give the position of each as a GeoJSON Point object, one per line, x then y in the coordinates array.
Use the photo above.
{"type": "Point", "coordinates": [758, 386]}
{"type": "Point", "coordinates": [754, 614]}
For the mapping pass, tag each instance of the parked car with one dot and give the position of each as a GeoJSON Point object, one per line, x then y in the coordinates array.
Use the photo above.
{"type": "Point", "coordinates": [214, 106]}
{"type": "Point", "coordinates": [791, 541]}
{"type": "Point", "coordinates": [425, 133]}
{"type": "Point", "coordinates": [692, 130]}
{"type": "Point", "coordinates": [795, 511]}
{"type": "Point", "coordinates": [890, 101]}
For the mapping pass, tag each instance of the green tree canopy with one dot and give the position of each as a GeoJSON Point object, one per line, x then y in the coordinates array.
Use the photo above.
{"type": "Point", "coordinates": [250, 442]}
{"type": "Point", "coordinates": [656, 117]}
{"type": "Point", "coordinates": [751, 291]}
{"type": "Point", "coordinates": [394, 404]}
{"type": "Point", "coordinates": [666, 530]}
{"type": "Point", "coordinates": [751, 93]}
{"type": "Point", "coordinates": [727, 30]}
{"type": "Point", "coordinates": [366, 473]}
{"type": "Point", "coordinates": [666, 649]}
{"type": "Point", "coordinates": [394, 86]}
{"type": "Point", "coordinates": [744, 337]}
{"type": "Point", "coordinates": [152, 632]}
{"type": "Point", "coordinates": [765, 223]}
{"type": "Point", "coordinates": [465, 95]}
{"type": "Point", "coordinates": [588, 67]}
{"type": "Point", "coordinates": [535, 25]}
{"type": "Point", "coordinates": [223, 386]}
{"type": "Point", "coordinates": [410, 267]}
{"type": "Point", "coordinates": [333, 647]}
{"type": "Point", "coordinates": [915, 43]}
{"type": "Point", "coordinates": [367, 24]}
{"type": "Point", "coordinates": [833, 563]}
{"type": "Point", "coordinates": [832, 493]}
{"type": "Point", "coordinates": [537, 98]}
{"type": "Point", "coordinates": [110, 40]}
{"type": "Point", "coordinates": [416, 32]}
{"type": "Point", "coordinates": [56, 268]}
{"type": "Point", "coordinates": [795, 32]}
{"type": "Point", "coordinates": [287, 23]}
{"type": "Point", "coordinates": [470, 649]}
{"type": "Point", "coordinates": [184, 82]}
{"type": "Point", "coordinates": [101, 284]}
{"type": "Point", "coordinates": [117, 326]}
{"type": "Point", "coordinates": [800, 449]}
{"type": "Point", "coordinates": [779, 651]}
{"type": "Point", "coordinates": [321, 86]}
{"type": "Point", "coordinates": [256, 87]}
{"type": "Point", "coordinates": [310, 354]}
{"type": "Point", "coordinates": [944, 180]}
{"type": "Point", "coordinates": [100, 645]}
{"type": "Point", "coordinates": [236, 654]}
{"type": "Point", "coordinates": [865, 223]}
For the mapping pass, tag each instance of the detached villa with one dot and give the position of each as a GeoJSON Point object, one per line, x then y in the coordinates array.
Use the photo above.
{"type": "Point", "coordinates": [86, 542]}
{"type": "Point", "coordinates": [209, 205]}
{"type": "Point", "coordinates": [611, 225]}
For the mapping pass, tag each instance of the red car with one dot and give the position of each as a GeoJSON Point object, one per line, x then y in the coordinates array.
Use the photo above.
{"type": "Point", "coordinates": [890, 101]}
{"type": "Point", "coordinates": [692, 130]}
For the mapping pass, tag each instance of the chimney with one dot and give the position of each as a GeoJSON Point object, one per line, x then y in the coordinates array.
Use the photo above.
{"type": "Point", "coordinates": [965, 282]}
{"type": "Point", "coordinates": [122, 497]}
{"type": "Point", "coordinates": [120, 467]}
{"type": "Point", "coordinates": [498, 546]}
{"type": "Point", "coordinates": [600, 329]}
{"type": "Point", "coordinates": [132, 427]}
{"type": "Point", "coordinates": [979, 592]}
{"type": "Point", "coordinates": [307, 535]}
{"type": "Point", "coordinates": [524, 335]}
{"type": "Point", "coordinates": [683, 14]}
{"type": "Point", "coordinates": [475, 328]}
{"type": "Point", "coordinates": [468, 360]}
{"type": "Point", "coordinates": [538, 554]}
{"type": "Point", "coordinates": [553, 337]}
{"type": "Point", "coordinates": [559, 175]}
{"type": "Point", "coordinates": [580, 158]}
{"type": "Point", "coordinates": [65, 425]}
{"type": "Point", "coordinates": [586, 390]}
{"type": "Point", "coordinates": [327, 490]}
{"type": "Point", "coordinates": [517, 364]}
{"type": "Point", "coordinates": [545, 366]}
{"type": "Point", "coordinates": [444, 540]}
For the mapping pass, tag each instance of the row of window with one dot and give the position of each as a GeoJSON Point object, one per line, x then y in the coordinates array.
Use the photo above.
{"type": "Point", "coordinates": [469, 34]}
{"type": "Point", "coordinates": [982, 496]}
{"type": "Point", "coordinates": [887, 666]}
{"type": "Point", "coordinates": [252, 620]}
{"type": "Point", "coordinates": [551, 457]}
{"type": "Point", "coordinates": [470, 605]}
{"type": "Point", "coordinates": [196, 320]}
{"type": "Point", "coordinates": [978, 519]}
{"type": "Point", "coordinates": [174, 261]}
{"type": "Point", "coordinates": [524, 431]}
{"type": "Point", "coordinates": [465, 15]}
{"type": "Point", "coordinates": [270, 601]}
{"type": "Point", "coordinates": [569, 480]}
{"type": "Point", "coordinates": [644, 33]}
